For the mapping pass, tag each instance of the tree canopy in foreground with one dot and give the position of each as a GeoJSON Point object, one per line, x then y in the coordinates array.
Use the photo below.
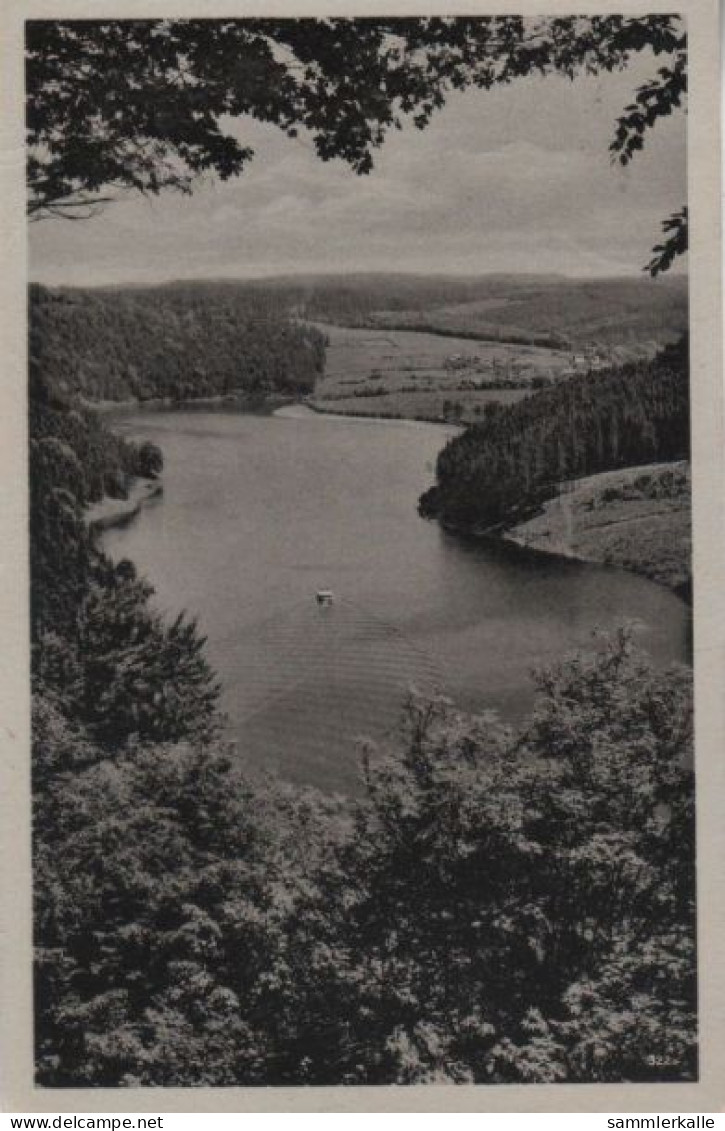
{"type": "Point", "coordinates": [150, 105]}
{"type": "Point", "coordinates": [502, 906]}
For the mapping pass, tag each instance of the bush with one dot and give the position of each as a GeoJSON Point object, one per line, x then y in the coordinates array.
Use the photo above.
{"type": "Point", "coordinates": [504, 905]}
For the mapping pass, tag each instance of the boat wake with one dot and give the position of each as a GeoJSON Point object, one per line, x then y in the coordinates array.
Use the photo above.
{"type": "Point", "coordinates": [314, 680]}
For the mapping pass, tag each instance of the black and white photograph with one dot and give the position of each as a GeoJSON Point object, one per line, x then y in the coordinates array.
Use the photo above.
{"type": "Point", "coordinates": [360, 554]}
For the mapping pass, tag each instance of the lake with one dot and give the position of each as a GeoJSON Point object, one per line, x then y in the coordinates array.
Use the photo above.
{"type": "Point", "coordinates": [259, 512]}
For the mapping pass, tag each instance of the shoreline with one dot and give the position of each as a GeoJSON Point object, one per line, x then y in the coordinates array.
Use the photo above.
{"type": "Point", "coordinates": [551, 531]}
{"type": "Point", "coordinates": [554, 549]}
{"type": "Point", "coordinates": [635, 519]}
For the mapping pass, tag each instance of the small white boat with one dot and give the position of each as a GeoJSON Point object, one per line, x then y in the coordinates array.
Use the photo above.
{"type": "Point", "coordinates": [324, 597]}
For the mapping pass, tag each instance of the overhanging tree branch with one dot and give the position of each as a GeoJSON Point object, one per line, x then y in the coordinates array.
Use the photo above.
{"type": "Point", "coordinates": [144, 105]}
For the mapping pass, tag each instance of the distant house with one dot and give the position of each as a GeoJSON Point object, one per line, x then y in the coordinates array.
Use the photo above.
{"type": "Point", "coordinates": [460, 361]}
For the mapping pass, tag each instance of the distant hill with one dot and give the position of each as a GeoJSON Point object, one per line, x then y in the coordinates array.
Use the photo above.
{"type": "Point", "coordinates": [166, 342]}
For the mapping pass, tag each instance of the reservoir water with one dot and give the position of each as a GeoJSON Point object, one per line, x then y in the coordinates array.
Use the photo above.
{"type": "Point", "coordinates": [259, 512]}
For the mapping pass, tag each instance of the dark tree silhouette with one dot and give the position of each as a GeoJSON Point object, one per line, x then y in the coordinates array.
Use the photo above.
{"type": "Point", "coordinates": [501, 470]}
{"type": "Point", "coordinates": [146, 105]}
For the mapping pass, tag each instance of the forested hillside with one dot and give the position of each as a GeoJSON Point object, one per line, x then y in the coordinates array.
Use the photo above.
{"type": "Point", "coordinates": [178, 343]}
{"type": "Point", "coordinates": [211, 338]}
{"type": "Point", "coordinates": [499, 471]}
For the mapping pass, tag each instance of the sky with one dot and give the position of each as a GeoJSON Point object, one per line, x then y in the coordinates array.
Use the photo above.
{"type": "Point", "coordinates": [518, 179]}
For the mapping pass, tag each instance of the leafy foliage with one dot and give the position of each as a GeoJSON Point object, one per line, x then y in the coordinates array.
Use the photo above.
{"type": "Point", "coordinates": [146, 105]}
{"type": "Point", "coordinates": [147, 870]}
{"type": "Point", "coordinates": [501, 470]}
{"type": "Point", "coordinates": [653, 100]}
{"type": "Point", "coordinates": [676, 231]}
{"type": "Point", "coordinates": [177, 342]}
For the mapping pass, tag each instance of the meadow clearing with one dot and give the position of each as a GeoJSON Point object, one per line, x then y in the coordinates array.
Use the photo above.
{"type": "Point", "coordinates": [427, 376]}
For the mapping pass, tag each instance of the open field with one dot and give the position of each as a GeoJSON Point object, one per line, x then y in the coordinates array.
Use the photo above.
{"type": "Point", "coordinates": [637, 518]}
{"type": "Point", "coordinates": [427, 376]}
